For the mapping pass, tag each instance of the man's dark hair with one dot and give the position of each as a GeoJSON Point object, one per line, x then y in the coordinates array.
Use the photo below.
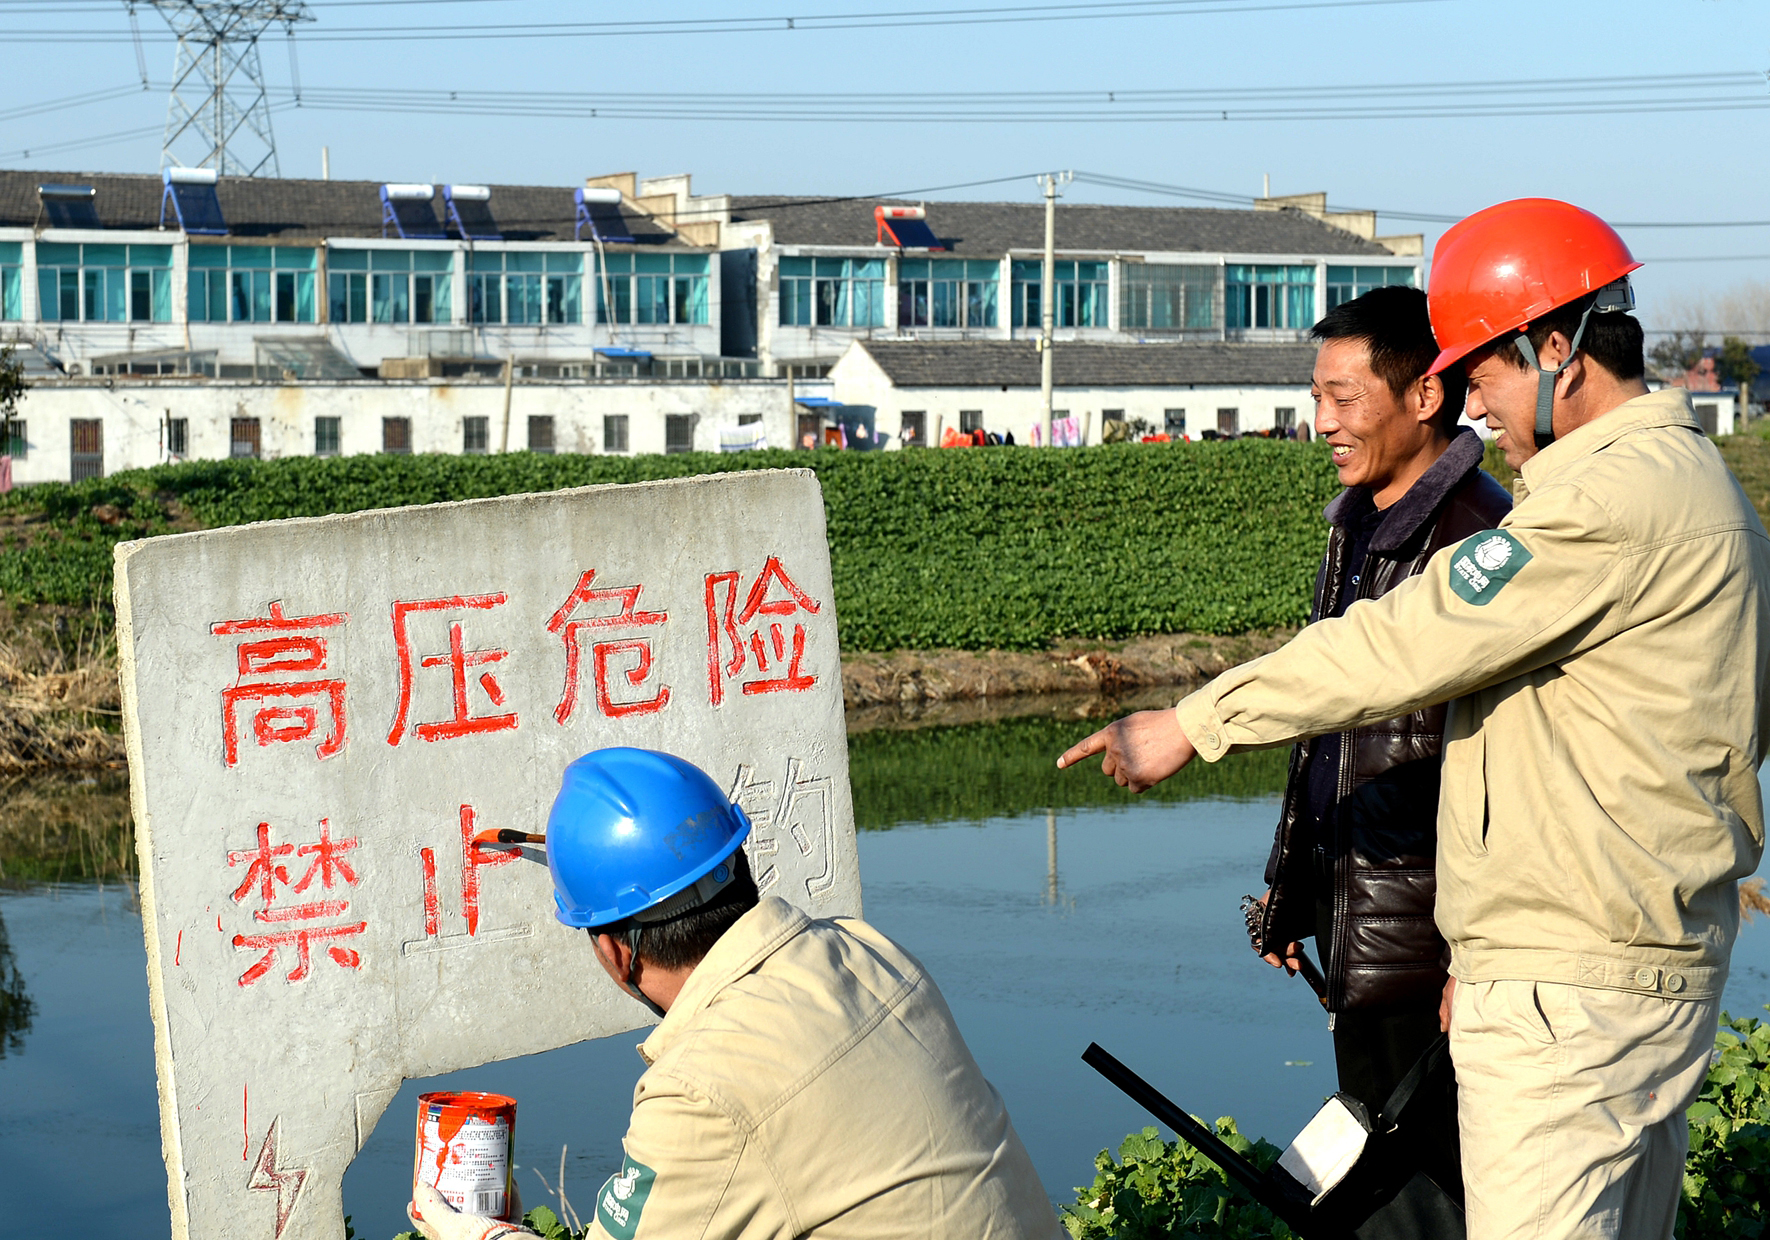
{"type": "Point", "coordinates": [684, 941]}
{"type": "Point", "coordinates": [1395, 327]}
{"type": "Point", "coordinates": [1613, 339]}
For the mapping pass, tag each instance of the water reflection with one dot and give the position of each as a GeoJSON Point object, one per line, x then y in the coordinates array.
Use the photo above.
{"type": "Point", "coordinates": [981, 771]}
{"type": "Point", "coordinates": [16, 1008]}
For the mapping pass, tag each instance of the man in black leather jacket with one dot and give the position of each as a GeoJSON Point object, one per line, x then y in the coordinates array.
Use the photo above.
{"type": "Point", "coordinates": [1352, 864]}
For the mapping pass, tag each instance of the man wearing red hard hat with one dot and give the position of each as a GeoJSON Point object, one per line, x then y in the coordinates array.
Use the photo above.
{"type": "Point", "coordinates": [1605, 650]}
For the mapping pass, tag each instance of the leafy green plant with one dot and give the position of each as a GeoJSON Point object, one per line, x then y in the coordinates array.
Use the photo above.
{"type": "Point", "coordinates": [994, 548]}
{"type": "Point", "coordinates": [1729, 1163]}
{"type": "Point", "coordinates": [1156, 1189]}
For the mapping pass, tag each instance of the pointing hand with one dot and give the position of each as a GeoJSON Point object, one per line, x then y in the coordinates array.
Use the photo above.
{"type": "Point", "coordinates": [1141, 749]}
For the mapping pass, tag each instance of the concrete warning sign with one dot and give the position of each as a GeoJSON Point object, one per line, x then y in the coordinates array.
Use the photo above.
{"type": "Point", "coordinates": [324, 715]}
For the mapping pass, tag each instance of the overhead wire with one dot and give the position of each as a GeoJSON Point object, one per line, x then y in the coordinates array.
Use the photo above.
{"type": "Point", "coordinates": [877, 20]}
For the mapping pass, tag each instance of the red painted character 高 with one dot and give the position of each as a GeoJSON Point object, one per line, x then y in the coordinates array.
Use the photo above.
{"type": "Point", "coordinates": [272, 680]}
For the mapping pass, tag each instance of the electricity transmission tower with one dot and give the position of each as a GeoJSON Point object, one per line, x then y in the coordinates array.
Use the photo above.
{"type": "Point", "coordinates": [218, 115]}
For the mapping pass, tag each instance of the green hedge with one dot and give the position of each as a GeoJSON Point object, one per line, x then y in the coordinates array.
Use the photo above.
{"type": "Point", "coordinates": [977, 549]}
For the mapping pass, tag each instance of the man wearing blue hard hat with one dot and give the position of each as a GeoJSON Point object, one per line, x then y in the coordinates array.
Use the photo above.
{"type": "Point", "coordinates": [807, 1078]}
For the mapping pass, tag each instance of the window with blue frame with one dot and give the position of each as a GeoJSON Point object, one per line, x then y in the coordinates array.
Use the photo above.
{"type": "Point", "coordinates": [947, 292]}
{"type": "Point", "coordinates": [1269, 296]}
{"type": "Point", "coordinates": [389, 286]}
{"type": "Point", "coordinates": [526, 287]}
{"type": "Point", "coordinates": [1160, 297]}
{"type": "Point", "coordinates": [1081, 294]}
{"type": "Point", "coordinates": [252, 284]}
{"type": "Point", "coordinates": [12, 280]}
{"type": "Point", "coordinates": [1345, 283]}
{"type": "Point", "coordinates": [832, 292]}
{"type": "Point", "coordinates": [104, 283]}
{"type": "Point", "coordinates": [653, 288]}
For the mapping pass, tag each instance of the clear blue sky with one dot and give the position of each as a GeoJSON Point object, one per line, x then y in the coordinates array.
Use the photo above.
{"type": "Point", "coordinates": [1696, 165]}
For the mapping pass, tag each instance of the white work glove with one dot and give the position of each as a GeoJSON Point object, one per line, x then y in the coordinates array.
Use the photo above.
{"type": "Point", "coordinates": [439, 1220]}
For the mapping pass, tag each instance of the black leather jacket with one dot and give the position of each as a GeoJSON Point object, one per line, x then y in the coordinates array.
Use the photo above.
{"type": "Point", "coordinates": [1384, 950]}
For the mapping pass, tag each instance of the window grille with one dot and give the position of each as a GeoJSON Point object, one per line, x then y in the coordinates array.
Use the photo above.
{"type": "Point", "coordinates": [86, 449]}
{"type": "Point", "coordinates": [244, 437]}
{"type": "Point", "coordinates": [178, 437]}
{"type": "Point", "coordinates": [541, 434]}
{"type": "Point", "coordinates": [679, 432]}
{"type": "Point", "coordinates": [326, 436]}
{"type": "Point", "coordinates": [1160, 297]}
{"type": "Point", "coordinates": [396, 435]}
{"type": "Point", "coordinates": [474, 435]}
{"type": "Point", "coordinates": [614, 432]}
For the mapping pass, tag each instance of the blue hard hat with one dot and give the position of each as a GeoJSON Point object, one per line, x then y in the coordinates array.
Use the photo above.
{"type": "Point", "coordinates": [637, 833]}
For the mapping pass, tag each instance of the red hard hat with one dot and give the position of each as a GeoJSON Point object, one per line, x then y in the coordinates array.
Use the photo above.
{"type": "Point", "coordinates": [1502, 267]}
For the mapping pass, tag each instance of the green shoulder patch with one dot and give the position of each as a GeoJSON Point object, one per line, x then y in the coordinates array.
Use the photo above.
{"type": "Point", "coordinates": [1484, 564]}
{"type": "Point", "coordinates": [622, 1199]}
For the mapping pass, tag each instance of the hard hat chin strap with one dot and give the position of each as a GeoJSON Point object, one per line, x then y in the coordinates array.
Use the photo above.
{"type": "Point", "coordinates": [1545, 381]}
{"type": "Point", "coordinates": [631, 986]}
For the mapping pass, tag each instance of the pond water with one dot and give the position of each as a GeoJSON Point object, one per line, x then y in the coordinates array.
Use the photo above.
{"type": "Point", "coordinates": [1052, 909]}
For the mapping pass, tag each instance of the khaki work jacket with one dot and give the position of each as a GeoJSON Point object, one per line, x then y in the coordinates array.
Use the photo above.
{"type": "Point", "coordinates": [809, 1081]}
{"type": "Point", "coordinates": [1607, 647]}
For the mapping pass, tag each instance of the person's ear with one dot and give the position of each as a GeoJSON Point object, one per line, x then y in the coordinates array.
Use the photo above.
{"type": "Point", "coordinates": [1426, 398]}
{"type": "Point", "coordinates": [612, 954]}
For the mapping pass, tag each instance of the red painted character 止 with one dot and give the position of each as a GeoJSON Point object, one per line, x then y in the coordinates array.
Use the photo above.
{"type": "Point", "coordinates": [756, 632]}
{"type": "Point", "coordinates": [639, 649]}
{"type": "Point", "coordinates": [267, 870]}
{"type": "Point", "coordinates": [269, 673]}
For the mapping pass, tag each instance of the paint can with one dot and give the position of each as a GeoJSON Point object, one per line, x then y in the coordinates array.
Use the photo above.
{"type": "Point", "coordinates": [465, 1148]}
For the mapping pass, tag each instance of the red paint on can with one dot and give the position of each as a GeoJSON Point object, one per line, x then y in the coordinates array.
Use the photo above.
{"type": "Point", "coordinates": [465, 1150]}
{"type": "Point", "coordinates": [179, 950]}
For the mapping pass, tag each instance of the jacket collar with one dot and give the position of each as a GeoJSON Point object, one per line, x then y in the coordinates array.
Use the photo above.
{"type": "Point", "coordinates": [754, 937]}
{"type": "Point", "coordinates": [1666, 407]}
{"type": "Point", "coordinates": [1414, 509]}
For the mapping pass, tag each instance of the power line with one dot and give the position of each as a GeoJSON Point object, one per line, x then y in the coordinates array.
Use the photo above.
{"type": "Point", "coordinates": [1181, 191]}
{"type": "Point", "coordinates": [883, 20]}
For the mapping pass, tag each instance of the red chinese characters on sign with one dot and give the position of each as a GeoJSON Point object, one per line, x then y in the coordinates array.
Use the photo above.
{"type": "Point", "coordinates": [267, 872]}
{"type": "Point", "coordinates": [475, 856]}
{"type": "Point", "coordinates": [462, 664]}
{"type": "Point", "coordinates": [272, 673]}
{"type": "Point", "coordinates": [754, 639]}
{"type": "Point", "coordinates": [568, 628]}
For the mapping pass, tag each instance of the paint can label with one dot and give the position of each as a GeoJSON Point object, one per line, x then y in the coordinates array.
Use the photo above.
{"type": "Point", "coordinates": [464, 1150]}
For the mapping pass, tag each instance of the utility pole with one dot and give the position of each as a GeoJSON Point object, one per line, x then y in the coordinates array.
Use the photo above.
{"type": "Point", "coordinates": [1048, 294]}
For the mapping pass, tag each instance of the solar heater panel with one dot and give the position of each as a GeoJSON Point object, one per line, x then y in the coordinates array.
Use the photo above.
{"type": "Point", "coordinates": [913, 234]}
{"type": "Point", "coordinates": [470, 211]}
{"type": "Point", "coordinates": [408, 211]}
{"type": "Point", "coordinates": [599, 210]}
{"type": "Point", "coordinates": [190, 192]}
{"type": "Point", "coordinates": [69, 206]}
